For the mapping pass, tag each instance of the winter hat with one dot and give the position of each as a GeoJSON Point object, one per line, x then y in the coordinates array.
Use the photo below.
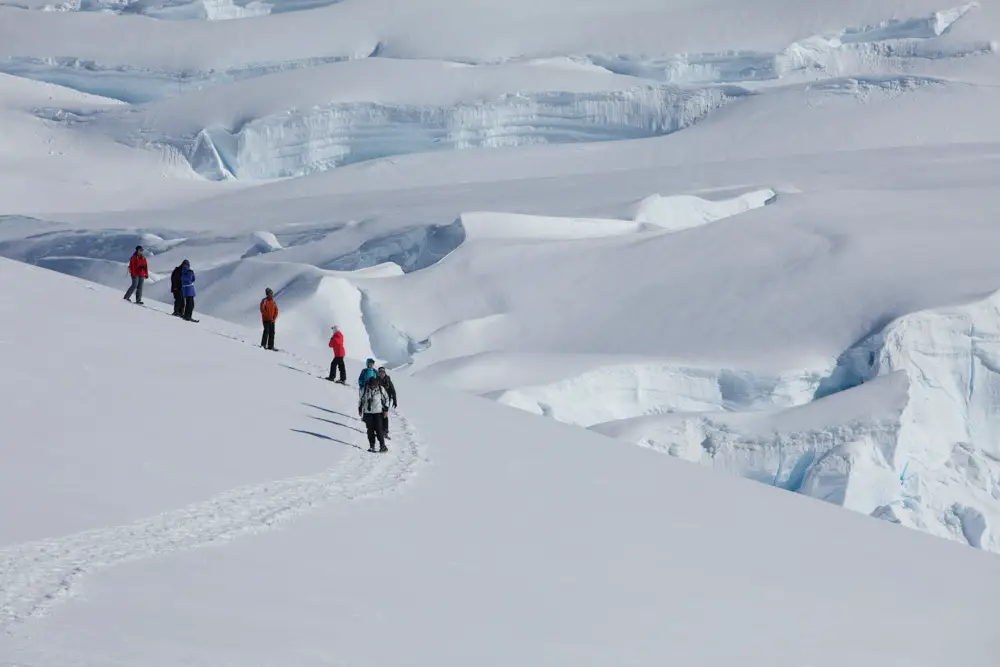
{"type": "Point", "coordinates": [185, 263]}
{"type": "Point", "coordinates": [138, 248]}
{"type": "Point", "coordinates": [372, 380]}
{"type": "Point", "coordinates": [268, 291]}
{"type": "Point", "coordinates": [369, 361]}
{"type": "Point", "coordinates": [335, 327]}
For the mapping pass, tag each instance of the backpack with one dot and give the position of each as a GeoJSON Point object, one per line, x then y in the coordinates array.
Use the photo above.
{"type": "Point", "coordinates": [374, 400]}
{"type": "Point", "coordinates": [365, 374]}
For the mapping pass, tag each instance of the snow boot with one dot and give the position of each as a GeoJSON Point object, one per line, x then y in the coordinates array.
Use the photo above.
{"type": "Point", "coordinates": [382, 449]}
{"type": "Point", "coordinates": [372, 449]}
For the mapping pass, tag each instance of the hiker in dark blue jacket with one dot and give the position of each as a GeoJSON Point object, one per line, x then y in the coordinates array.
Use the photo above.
{"type": "Point", "coordinates": [187, 289]}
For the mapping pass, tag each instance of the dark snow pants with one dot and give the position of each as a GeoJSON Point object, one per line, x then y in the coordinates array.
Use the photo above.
{"type": "Point", "coordinates": [338, 365]}
{"type": "Point", "coordinates": [135, 287]}
{"type": "Point", "coordinates": [374, 424]}
{"type": "Point", "coordinates": [188, 307]}
{"type": "Point", "coordinates": [178, 303]}
{"type": "Point", "coordinates": [267, 339]}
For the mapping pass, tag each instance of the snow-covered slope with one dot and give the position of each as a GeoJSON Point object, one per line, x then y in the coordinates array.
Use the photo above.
{"type": "Point", "coordinates": [681, 224]}
{"type": "Point", "coordinates": [172, 437]}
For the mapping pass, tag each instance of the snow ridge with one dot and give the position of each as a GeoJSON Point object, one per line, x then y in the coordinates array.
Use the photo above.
{"type": "Point", "coordinates": [36, 576]}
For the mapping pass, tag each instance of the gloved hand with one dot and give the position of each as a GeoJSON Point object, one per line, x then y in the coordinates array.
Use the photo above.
{"type": "Point", "coordinates": [395, 405]}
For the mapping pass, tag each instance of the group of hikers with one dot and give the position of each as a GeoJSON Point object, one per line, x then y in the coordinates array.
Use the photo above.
{"type": "Point", "coordinates": [181, 283]}
{"type": "Point", "coordinates": [376, 391]}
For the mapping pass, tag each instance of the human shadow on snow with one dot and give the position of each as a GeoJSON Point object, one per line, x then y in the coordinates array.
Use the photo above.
{"type": "Point", "coordinates": [326, 437]}
{"type": "Point", "coordinates": [332, 412]}
{"type": "Point", "coordinates": [330, 421]}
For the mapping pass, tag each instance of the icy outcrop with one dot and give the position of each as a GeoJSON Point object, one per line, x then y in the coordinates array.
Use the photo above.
{"type": "Point", "coordinates": [840, 449]}
{"type": "Point", "coordinates": [925, 454]}
{"type": "Point", "coordinates": [263, 243]}
{"type": "Point", "coordinates": [885, 46]}
{"type": "Point", "coordinates": [678, 212]}
{"type": "Point", "coordinates": [299, 142]}
{"type": "Point", "coordinates": [949, 453]}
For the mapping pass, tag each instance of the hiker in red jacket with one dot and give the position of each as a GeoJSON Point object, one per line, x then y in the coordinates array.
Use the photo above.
{"type": "Point", "coordinates": [337, 343]}
{"type": "Point", "coordinates": [138, 271]}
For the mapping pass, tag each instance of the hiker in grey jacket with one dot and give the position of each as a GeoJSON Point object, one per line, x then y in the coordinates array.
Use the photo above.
{"type": "Point", "coordinates": [373, 406]}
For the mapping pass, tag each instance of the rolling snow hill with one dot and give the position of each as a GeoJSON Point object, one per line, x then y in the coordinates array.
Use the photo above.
{"type": "Point", "coordinates": [173, 493]}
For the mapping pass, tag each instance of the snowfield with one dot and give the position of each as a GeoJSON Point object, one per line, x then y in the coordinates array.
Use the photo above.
{"type": "Point", "coordinates": [756, 236]}
{"type": "Point", "coordinates": [229, 512]}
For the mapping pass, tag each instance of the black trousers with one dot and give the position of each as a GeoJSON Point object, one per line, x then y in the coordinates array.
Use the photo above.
{"type": "Point", "coordinates": [374, 424]}
{"type": "Point", "coordinates": [178, 303]}
{"type": "Point", "coordinates": [188, 307]}
{"type": "Point", "coordinates": [267, 339]}
{"type": "Point", "coordinates": [338, 365]}
{"type": "Point", "coordinates": [385, 424]}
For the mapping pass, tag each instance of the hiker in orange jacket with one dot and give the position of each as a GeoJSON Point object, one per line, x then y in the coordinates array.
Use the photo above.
{"type": "Point", "coordinates": [269, 315]}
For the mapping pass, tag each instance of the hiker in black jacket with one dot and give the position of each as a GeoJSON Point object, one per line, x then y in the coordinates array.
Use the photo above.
{"type": "Point", "coordinates": [175, 289]}
{"type": "Point", "coordinates": [385, 382]}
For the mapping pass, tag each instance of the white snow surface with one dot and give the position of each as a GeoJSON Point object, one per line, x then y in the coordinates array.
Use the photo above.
{"type": "Point", "coordinates": [754, 235]}
{"type": "Point", "coordinates": [320, 550]}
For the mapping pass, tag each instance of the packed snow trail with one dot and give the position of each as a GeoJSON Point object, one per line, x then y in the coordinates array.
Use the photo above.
{"type": "Point", "coordinates": [37, 575]}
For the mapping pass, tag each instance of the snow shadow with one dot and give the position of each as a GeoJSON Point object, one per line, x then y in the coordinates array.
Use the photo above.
{"type": "Point", "coordinates": [326, 437]}
{"type": "Point", "coordinates": [336, 423]}
{"type": "Point", "coordinates": [332, 412]}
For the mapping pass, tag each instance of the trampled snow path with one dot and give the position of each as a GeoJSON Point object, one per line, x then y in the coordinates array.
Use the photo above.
{"type": "Point", "coordinates": [35, 576]}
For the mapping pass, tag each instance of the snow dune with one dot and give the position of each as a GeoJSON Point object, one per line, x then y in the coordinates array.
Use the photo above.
{"type": "Point", "coordinates": [290, 503]}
